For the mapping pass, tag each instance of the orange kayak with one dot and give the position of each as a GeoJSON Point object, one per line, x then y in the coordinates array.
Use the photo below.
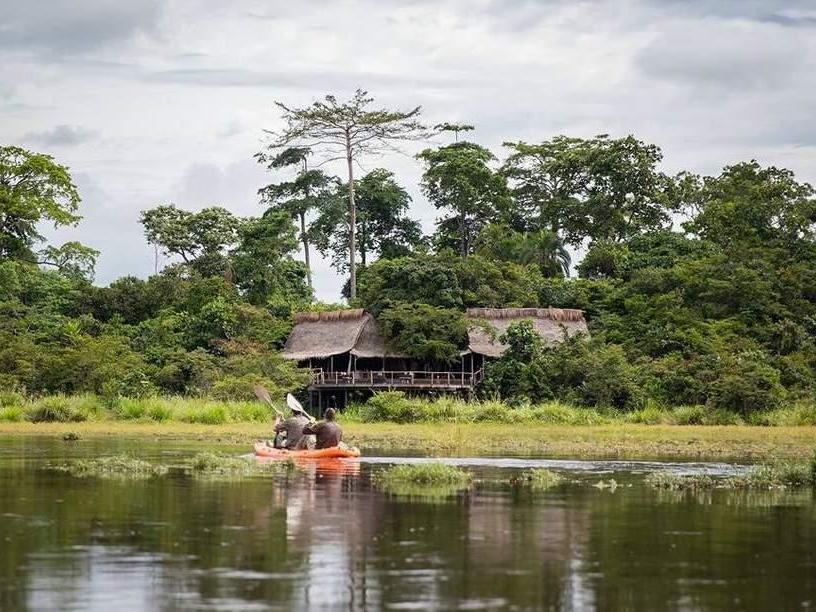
{"type": "Point", "coordinates": [335, 452]}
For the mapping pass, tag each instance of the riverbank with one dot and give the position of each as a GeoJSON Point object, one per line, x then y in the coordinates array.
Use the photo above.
{"type": "Point", "coordinates": [629, 441]}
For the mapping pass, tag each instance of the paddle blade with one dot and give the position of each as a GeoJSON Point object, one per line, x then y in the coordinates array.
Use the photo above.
{"type": "Point", "coordinates": [293, 404]}
{"type": "Point", "coordinates": [262, 394]}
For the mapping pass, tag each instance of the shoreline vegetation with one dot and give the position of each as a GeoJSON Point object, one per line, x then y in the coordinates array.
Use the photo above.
{"type": "Point", "coordinates": [621, 441]}
{"type": "Point", "coordinates": [384, 407]}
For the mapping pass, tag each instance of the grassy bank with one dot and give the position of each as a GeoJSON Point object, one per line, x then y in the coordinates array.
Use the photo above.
{"type": "Point", "coordinates": [632, 441]}
{"type": "Point", "coordinates": [387, 407]}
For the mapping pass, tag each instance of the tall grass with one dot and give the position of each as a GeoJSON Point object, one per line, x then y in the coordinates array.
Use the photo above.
{"type": "Point", "coordinates": [391, 406]}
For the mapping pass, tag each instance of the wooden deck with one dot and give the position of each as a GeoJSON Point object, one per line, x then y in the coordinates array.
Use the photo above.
{"type": "Point", "coordinates": [395, 380]}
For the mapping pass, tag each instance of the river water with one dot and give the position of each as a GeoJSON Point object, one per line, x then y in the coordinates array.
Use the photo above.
{"type": "Point", "coordinates": [326, 539]}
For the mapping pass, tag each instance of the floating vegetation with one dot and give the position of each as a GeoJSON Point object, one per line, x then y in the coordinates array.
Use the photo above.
{"type": "Point", "coordinates": [422, 480]}
{"type": "Point", "coordinates": [218, 464]}
{"type": "Point", "coordinates": [540, 479]}
{"type": "Point", "coordinates": [70, 436]}
{"type": "Point", "coordinates": [610, 484]}
{"type": "Point", "coordinates": [680, 482]}
{"type": "Point", "coordinates": [779, 475]}
{"type": "Point", "coordinates": [117, 466]}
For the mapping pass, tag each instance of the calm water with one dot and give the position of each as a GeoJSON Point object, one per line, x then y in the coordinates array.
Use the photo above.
{"type": "Point", "coordinates": [328, 540]}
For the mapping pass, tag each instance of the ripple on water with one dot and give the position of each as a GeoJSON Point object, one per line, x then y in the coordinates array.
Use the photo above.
{"type": "Point", "coordinates": [574, 465]}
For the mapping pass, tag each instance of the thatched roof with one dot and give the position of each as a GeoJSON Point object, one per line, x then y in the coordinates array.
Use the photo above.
{"type": "Point", "coordinates": [318, 335]}
{"type": "Point", "coordinates": [550, 323]}
{"type": "Point", "coordinates": [371, 342]}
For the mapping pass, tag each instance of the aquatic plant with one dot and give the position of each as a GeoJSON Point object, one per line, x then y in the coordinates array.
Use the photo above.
{"type": "Point", "coordinates": [422, 480]}
{"type": "Point", "coordinates": [117, 466]}
{"type": "Point", "coordinates": [680, 482]}
{"type": "Point", "coordinates": [541, 479]}
{"type": "Point", "coordinates": [777, 475]}
{"type": "Point", "coordinates": [218, 464]}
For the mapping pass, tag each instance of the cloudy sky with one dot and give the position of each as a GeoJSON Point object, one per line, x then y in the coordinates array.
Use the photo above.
{"type": "Point", "coordinates": [151, 102]}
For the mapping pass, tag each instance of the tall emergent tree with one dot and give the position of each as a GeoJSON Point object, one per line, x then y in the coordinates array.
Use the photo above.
{"type": "Point", "coordinates": [382, 228]}
{"type": "Point", "coordinates": [347, 131]}
{"type": "Point", "coordinates": [458, 178]}
{"type": "Point", "coordinates": [200, 239]}
{"type": "Point", "coordinates": [309, 190]}
{"type": "Point", "coordinates": [34, 189]}
{"type": "Point", "coordinates": [600, 188]}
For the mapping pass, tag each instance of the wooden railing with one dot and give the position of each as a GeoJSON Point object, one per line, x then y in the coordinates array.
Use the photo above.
{"type": "Point", "coordinates": [374, 378]}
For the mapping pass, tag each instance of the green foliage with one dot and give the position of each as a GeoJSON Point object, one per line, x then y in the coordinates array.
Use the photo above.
{"type": "Point", "coordinates": [600, 188]}
{"type": "Point", "coordinates": [541, 248]}
{"type": "Point", "coordinates": [34, 189]}
{"type": "Point", "coordinates": [11, 413]}
{"type": "Point", "coordinates": [580, 370]}
{"type": "Point", "coordinates": [432, 334]}
{"type": "Point", "coordinates": [422, 480]}
{"type": "Point", "coordinates": [56, 409]}
{"type": "Point", "coordinates": [778, 475]}
{"type": "Point", "coordinates": [382, 227]}
{"type": "Point", "coordinates": [395, 407]}
{"type": "Point", "coordinates": [444, 282]}
{"type": "Point", "coordinates": [117, 466]}
{"type": "Point", "coordinates": [458, 179]}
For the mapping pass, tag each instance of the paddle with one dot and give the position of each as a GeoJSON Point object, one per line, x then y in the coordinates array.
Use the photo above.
{"type": "Point", "coordinates": [262, 394]}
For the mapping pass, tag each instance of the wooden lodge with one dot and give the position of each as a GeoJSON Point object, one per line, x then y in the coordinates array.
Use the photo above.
{"type": "Point", "coordinates": [349, 357]}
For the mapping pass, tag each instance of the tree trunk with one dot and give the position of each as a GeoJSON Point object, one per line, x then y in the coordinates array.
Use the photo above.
{"type": "Point", "coordinates": [352, 222]}
{"type": "Point", "coordinates": [305, 240]}
{"type": "Point", "coordinates": [463, 247]}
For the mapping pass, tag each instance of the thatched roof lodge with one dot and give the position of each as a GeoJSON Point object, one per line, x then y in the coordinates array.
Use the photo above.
{"type": "Point", "coordinates": [550, 323]}
{"type": "Point", "coordinates": [351, 358]}
{"type": "Point", "coordinates": [321, 335]}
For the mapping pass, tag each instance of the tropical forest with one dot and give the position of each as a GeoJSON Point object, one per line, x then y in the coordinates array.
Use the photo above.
{"type": "Point", "coordinates": [699, 291]}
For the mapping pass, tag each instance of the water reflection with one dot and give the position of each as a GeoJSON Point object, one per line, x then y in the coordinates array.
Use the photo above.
{"type": "Point", "coordinates": [323, 537]}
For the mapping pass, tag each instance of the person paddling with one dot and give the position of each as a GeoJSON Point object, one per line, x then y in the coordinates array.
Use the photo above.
{"type": "Point", "coordinates": [327, 431]}
{"type": "Point", "coordinates": [293, 430]}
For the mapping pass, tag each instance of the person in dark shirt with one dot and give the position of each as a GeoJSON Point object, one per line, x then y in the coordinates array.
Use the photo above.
{"type": "Point", "coordinates": [327, 431]}
{"type": "Point", "coordinates": [293, 428]}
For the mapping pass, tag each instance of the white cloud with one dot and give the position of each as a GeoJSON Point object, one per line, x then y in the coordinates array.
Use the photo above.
{"type": "Point", "coordinates": [178, 93]}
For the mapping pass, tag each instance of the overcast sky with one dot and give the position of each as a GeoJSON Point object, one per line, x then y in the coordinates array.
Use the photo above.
{"type": "Point", "coordinates": [151, 102]}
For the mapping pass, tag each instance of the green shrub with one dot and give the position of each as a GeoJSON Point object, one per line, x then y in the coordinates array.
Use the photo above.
{"type": "Point", "coordinates": [159, 411]}
{"type": "Point", "coordinates": [802, 413]}
{"type": "Point", "coordinates": [648, 415]}
{"type": "Point", "coordinates": [562, 414]}
{"type": "Point", "coordinates": [131, 408]}
{"type": "Point", "coordinates": [55, 409]}
{"type": "Point", "coordinates": [250, 412]}
{"type": "Point", "coordinates": [689, 415]}
{"type": "Point", "coordinates": [11, 398]}
{"type": "Point", "coordinates": [209, 414]}
{"type": "Point", "coordinates": [392, 406]}
{"type": "Point", "coordinates": [11, 413]}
